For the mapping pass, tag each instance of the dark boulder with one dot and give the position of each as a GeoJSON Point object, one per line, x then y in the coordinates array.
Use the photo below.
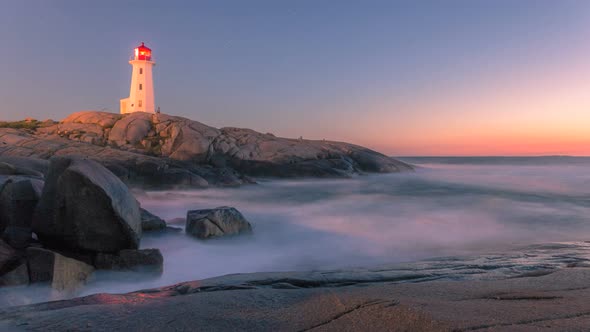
{"type": "Point", "coordinates": [86, 207]}
{"type": "Point", "coordinates": [144, 260]}
{"type": "Point", "coordinates": [151, 222]}
{"type": "Point", "coordinates": [63, 273]}
{"type": "Point", "coordinates": [216, 222]}
{"type": "Point", "coordinates": [18, 199]}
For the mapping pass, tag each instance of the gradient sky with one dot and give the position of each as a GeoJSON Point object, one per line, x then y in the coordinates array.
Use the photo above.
{"type": "Point", "coordinates": [450, 77]}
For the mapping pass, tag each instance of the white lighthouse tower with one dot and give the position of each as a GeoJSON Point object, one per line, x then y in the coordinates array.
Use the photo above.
{"type": "Point", "coordinates": [141, 93]}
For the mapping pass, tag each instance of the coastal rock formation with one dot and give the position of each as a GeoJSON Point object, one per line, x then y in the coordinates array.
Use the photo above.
{"type": "Point", "coordinates": [85, 207]}
{"type": "Point", "coordinates": [131, 167]}
{"type": "Point", "coordinates": [151, 222]}
{"type": "Point", "coordinates": [158, 147]}
{"type": "Point", "coordinates": [84, 217]}
{"type": "Point", "coordinates": [216, 222]}
{"type": "Point", "coordinates": [144, 260]}
{"type": "Point", "coordinates": [63, 273]}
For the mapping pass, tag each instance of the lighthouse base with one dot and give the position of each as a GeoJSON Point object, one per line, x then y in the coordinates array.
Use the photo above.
{"type": "Point", "coordinates": [124, 107]}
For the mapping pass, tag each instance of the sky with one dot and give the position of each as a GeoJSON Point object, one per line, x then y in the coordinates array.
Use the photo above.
{"type": "Point", "coordinates": [450, 77]}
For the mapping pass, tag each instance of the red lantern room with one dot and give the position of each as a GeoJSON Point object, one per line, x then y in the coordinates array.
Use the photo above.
{"type": "Point", "coordinates": [142, 52]}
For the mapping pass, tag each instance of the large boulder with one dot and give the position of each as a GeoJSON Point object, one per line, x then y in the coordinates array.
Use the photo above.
{"type": "Point", "coordinates": [86, 207]}
{"type": "Point", "coordinates": [18, 199]}
{"type": "Point", "coordinates": [216, 222]}
{"type": "Point", "coordinates": [144, 260]}
{"type": "Point", "coordinates": [151, 222]}
{"type": "Point", "coordinates": [184, 139]}
{"type": "Point", "coordinates": [131, 129]}
{"type": "Point", "coordinates": [63, 273]}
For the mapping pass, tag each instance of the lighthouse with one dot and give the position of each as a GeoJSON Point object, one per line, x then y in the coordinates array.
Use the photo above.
{"type": "Point", "coordinates": [141, 93]}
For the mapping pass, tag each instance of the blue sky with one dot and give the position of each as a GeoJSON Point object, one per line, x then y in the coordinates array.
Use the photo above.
{"type": "Point", "coordinates": [387, 74]}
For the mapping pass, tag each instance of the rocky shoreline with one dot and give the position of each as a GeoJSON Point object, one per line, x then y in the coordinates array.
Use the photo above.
{"type": "Point", "coordinates": [61, 223]}
{"type": "Point", "coordinates": [158, 150]}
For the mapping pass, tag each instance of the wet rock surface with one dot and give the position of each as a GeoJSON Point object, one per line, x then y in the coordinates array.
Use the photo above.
{"type": "Point", "coordinates": [297, 302]}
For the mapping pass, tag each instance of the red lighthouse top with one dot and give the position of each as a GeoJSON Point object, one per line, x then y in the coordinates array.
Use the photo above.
{"type": "Point", "coordinates": [142, 52]}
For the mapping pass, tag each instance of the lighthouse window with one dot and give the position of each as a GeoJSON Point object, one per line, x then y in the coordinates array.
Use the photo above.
{"type": "Point", "coordinates": [139, 103]}
{"type": "Point", "coordinates": [140, 86]}
{"type": "Point", "coordinates": [140, 71]}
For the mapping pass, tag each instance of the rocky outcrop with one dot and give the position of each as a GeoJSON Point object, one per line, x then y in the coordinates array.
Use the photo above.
{"type": "Point", "coordinates": [63, 273]}
{"type": "Point", "coordinates": [83, 217]}
{"type": "Point", "coordinates": [144, 260]}
{"type": "Point", "coordinates": [84, 207]}
{"type": "Point", "coordinates": [151, 222]}
{"type": "Point", "coordinates": [216, 222]}
{"type": "Point", "coordinates": [131, 167]}
{"type": "Point", "coordinates": [160, 147]}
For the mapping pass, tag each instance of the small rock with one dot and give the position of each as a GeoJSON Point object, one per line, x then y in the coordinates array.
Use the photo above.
{"type": "Point", "coordinates": [151, 222]}
{"type": "Point", "coordinates": [216, 222]}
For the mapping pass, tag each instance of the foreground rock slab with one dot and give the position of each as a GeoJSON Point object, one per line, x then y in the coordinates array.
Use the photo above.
{"type": "Point", "coordinates": [216, 222]}
{"type": "Point", "coordinates": [86, 207]}
{"type": "Point", "coordinates": [556, 301]}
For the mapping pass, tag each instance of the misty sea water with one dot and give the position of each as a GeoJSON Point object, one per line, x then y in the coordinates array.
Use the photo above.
{"type": "Point", "coordinates": [454, 218]}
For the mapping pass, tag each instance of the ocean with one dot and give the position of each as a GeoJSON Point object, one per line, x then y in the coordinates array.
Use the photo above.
{"type": "Point", "coordinates": [454, 217]}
